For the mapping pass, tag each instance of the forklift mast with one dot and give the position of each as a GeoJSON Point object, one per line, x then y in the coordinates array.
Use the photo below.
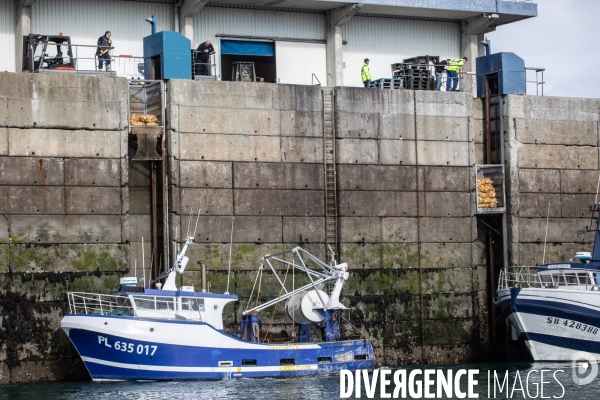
{"type": "Point", "coordinates": [38, 53]}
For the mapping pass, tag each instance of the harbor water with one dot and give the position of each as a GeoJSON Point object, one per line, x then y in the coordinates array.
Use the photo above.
{"type": "Point", "coordinates": [524, 381]}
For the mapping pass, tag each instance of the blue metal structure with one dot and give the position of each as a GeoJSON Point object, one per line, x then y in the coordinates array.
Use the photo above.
{"type": "Point", "coordinates": [510, 70]}
{"type": "Point", "coordinates": [167, 55]}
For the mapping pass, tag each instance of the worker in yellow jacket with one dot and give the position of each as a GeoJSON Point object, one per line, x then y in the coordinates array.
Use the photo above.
{"type": "Point", "coordinates": [365, 74]}
{"type": "Point", "coordinates": [452, 70]}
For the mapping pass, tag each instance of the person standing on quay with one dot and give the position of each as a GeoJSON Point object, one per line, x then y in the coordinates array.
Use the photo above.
{"type": "Point", "coordinates": [453, 69]}
{"type": "Point", "coordinates": [365, 74]}
{"type": "Point", "coordinates": [202, 56]}
{"type": "Point", "coordinates": [104, 46]}
{"type": "Point", "coordinates": [439, 71]}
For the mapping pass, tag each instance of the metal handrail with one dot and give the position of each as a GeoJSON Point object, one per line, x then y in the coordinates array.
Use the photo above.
{"type": "Point", "coordinates": [530, 277]}
{"type": "Point", "coordinates": [537, 82]}
{"type": "Point", "coordinates": [312, 79]}
{"type": "Point", "coordinates": [212, 66]}
{"type": "Point", "coordinates": [134, 305]}
{"type": "Point", "coordinates": [93, 303]}
{"type": "Point", "coordinates": [123, 65]}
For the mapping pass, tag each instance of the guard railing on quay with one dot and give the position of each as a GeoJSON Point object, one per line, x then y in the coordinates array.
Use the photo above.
{"type": "Point", "coordinates": [203, 70]}
{"type": "Point", "coordinates": [85, 61]}
{"type": "Point", "coordinates": [539, 79]}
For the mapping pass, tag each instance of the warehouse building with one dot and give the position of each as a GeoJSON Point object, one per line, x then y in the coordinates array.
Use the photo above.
{"type": "Point", "coordinates": [290, 41]}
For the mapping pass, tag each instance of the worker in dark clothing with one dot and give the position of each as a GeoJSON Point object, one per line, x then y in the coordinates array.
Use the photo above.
{"type": "Point", "coordinates": [202, 56]}
{"type": "Point", "coordinates": [104, 46]}
{"type": "Point", "coordinates": [439, 70]}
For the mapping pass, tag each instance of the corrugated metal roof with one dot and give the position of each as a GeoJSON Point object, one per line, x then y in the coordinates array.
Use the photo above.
{"type": "Point", "coordinates": [7, 36]}
{"type": "Point", "coordinates": [389, 40]}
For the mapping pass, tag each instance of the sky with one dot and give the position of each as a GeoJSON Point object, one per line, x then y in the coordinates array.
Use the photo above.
{"type": "Point", "coordinates": [563, 39]}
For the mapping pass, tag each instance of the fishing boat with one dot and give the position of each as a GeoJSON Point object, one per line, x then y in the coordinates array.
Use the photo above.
{"type": "Point", "coordinates": [555, 307]}
{"type": "Point", "coordinates": [170, 332]}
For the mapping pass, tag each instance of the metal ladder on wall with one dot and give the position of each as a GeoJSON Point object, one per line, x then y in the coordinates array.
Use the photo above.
{"type": "Point", "coordinates": [331, 225]}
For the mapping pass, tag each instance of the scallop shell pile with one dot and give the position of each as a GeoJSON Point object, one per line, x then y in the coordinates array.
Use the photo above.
{"type": "Point", "coordinates": [486, 194]}
{"type": "Point", "coordinates": [143, 120]}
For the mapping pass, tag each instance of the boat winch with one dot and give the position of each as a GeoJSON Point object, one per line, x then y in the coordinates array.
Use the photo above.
{"type": "Point", "coordinates": [303, 307]}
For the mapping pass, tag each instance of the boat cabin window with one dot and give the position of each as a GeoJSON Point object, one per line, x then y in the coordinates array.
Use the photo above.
{"type": "Point", "coordinates": [165, 303]}
{"type": "Point", "coordinates": [571, 279]}
{"type": "Point", "coordinates": [584, 278]}
{"type": "Point", "coordinates": [287, 361]}
{"type": "Point", "coordinates": [249, 362]}
{"type": "Point", "coordinates": [192, 303]}
{"type": "Point", "coordinates": [154, 302]}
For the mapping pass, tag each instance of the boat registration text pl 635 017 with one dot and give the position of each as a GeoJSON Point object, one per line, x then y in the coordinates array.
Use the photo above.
{"type": "Point", "coordinates": [126, 347]}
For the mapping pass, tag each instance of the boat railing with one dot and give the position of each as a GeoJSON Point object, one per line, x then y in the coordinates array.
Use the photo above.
{"type": "Point", "coordinates": [168, 307]}
{"type": "Point", "coordinates": [94, 303]}
{"type": "Point", "coordinates": [530, 277]}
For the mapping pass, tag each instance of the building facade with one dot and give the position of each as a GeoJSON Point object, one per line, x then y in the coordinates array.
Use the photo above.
{"type": "Point", "coordinates": [310, 41]}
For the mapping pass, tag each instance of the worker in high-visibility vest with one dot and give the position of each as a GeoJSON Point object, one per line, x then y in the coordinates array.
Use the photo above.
{"type": "Point", "coordinates": [452, 70]}
{"type": "Point", "coordinates": [365, 74]}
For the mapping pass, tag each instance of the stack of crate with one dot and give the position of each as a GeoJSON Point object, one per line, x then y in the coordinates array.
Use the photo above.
{"type": "Point", "coordinates": [416, 72]}
{"type": "Point", "coordinates": [387, 83]}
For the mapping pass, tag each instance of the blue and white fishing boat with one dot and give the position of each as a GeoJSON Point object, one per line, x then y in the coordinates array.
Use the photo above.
{"type": "Point", "coordinates": [138, 333]}
{"type": "Point", "coordinates": [555, 307]}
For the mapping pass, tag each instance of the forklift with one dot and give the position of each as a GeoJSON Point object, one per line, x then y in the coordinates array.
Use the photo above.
{"type": "Point", "coordinates": [38, 57]}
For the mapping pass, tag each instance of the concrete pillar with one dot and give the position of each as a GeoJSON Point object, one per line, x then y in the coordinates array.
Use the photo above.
{"type": "Point", "coordinates": [22, 28]}
{"type": "Point", "coordinates": [335, 61]}
{"type": "Point", "coordinates": [186, 28]}
{"type": "Point", "coordinates": [187, 10]}
{"type": "Point", "coordinates": [472, 33]}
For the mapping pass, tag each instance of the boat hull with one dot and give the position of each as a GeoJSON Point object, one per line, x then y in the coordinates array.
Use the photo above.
{"type": "Point", "coordinates": [555, 324]}
{"type": "Point", "coordinates": [127, 348]}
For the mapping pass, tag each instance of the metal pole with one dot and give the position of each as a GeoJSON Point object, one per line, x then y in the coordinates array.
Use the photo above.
{"type": "Point", "coordinates": [165, 203]}
{"type": "Point", "coordinates": [491, 286]}
{"type": "Point", "coordinates": [203, 283]}
{"type": "Point", "coordinates": [504, 224]}
{"type": "Point", "coordinates": [153, 178]}
{"type": "Point", "coordinates": [488, 126]}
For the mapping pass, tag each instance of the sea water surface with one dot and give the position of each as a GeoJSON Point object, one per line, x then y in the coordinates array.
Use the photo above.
{"type": "Point", "coordinates": [321, 387]}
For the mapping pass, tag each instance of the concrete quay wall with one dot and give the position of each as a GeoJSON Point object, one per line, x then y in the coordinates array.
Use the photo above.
{"type": "Point", "coordinates": [75, 207]}
{"type": "Point", "coordinates": [63, 212]}
{"type": "Point", "coordinates": [406, 224]}
{"type": "Point", "coordinates": [553, 166]}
